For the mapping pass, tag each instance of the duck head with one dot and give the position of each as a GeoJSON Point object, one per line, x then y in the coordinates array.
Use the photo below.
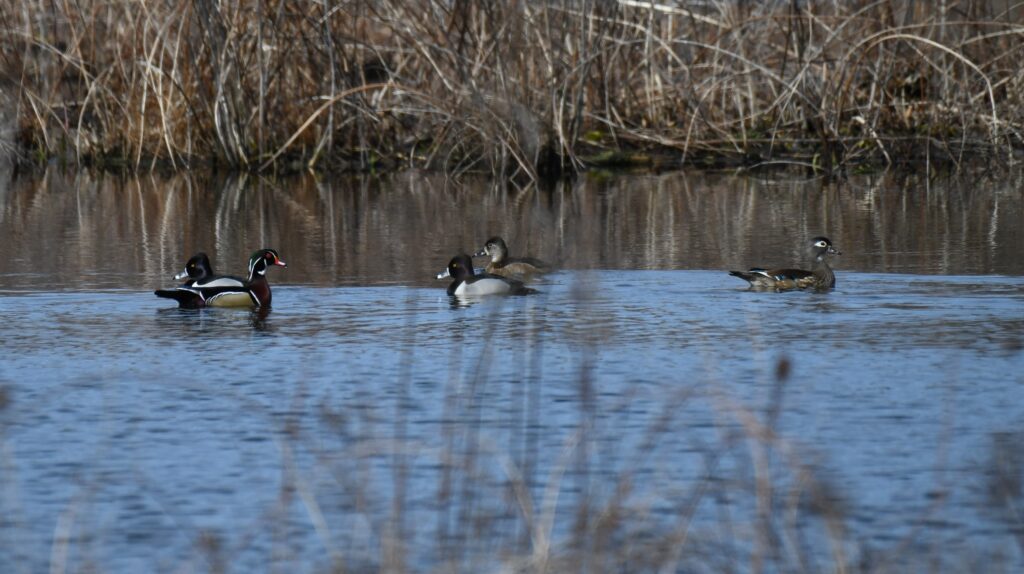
{"type": "Point", "coordinates": [494, 248]}
{"type": "Point", "coordinates": [196, 269]}
{"type": "Point", "coordinates": [460, 267]}
{"type": "Point", "coordinates": [261, 261]}
{"type": "Point", "coordinates": [822, 246]}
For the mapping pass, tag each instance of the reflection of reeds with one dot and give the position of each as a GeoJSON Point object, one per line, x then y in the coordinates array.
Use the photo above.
{"type": "Point", "coordinates": [1006, 481]}
{"type": "Point", "coordinates": [360, 230]}
{"type": "Point", "coordinates": [516, 87]}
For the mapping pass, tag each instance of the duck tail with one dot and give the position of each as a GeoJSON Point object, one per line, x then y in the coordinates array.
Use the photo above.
{"type": "Point", "coordinates": [185, 298]}
{"type": "Point", "coordinates": [745, 275]}
{"type": "Point", "coordinates": [519, 289]}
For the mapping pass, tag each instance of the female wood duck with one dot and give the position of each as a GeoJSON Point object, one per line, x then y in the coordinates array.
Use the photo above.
{"type": "Point", "coordinates": [468, 284]}
{"type": "Point", "coordinates": [502, 264]}
{"type": "Point", "coordinates": [199, 273]}
{"type": "Point", "coordinates": [820, 277]}
{"type": "Point", "coordinates": [253, 292]}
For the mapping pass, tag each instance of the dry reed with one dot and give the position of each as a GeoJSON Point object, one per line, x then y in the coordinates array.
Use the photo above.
{"type": "Point", "coordinates": [508, 87]}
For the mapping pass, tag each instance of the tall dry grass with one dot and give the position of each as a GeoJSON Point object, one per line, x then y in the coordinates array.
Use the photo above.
{"type": "Point", "coordinates": [511, 87]}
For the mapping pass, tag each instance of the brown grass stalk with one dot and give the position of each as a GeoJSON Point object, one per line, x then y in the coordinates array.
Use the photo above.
{"type": "Point", "coordinates": [509, 87]}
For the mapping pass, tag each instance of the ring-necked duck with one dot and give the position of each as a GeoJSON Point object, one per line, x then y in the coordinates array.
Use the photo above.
{"type": "Point", "coordinates": [820, 277]}
{"type": "Point", "coordinates": [254, 292]}
{"type": "Point", "coordinates": [467, 283]}
{"type": "Point", "coordinates": [502, 264]}
{"type": "Point", "coordinates": [199, 272]}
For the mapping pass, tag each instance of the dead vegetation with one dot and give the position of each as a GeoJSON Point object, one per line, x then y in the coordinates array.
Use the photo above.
{"type": "Point", "coordinates": [523, 88]}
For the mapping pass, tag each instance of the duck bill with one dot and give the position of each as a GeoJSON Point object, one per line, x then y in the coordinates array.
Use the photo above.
{"type": "Point", "coordinates": [834, 251]}
{"type": "Point", "coordinates": [444, 274]}
{"type": "Point", "coordinates": [280, 263]}
{"type": "Point", "coordinates": [181, 275]}
{"type": "Point", "coordinates": [481, 253]}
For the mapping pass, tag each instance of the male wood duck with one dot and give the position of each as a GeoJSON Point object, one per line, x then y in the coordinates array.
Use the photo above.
{"type": "Point", "coordinates": [199, 273]}
{"type": "Point", "coordinates": [820, 277]}
{"type": "Point", "coordinates": [468, 284]}
{"type": "Point", "coordinates": [502, 264]}
{"type": "Point", "coordinates": [253, 292]}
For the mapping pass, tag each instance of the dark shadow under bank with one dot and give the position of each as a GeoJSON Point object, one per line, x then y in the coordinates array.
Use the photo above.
{"type": "Point", "coordinates": [833, 160]}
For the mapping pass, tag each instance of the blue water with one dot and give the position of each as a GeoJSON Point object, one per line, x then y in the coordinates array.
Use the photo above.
{"type": "Point", "coordinates": [150, 438]}
{"type": "Point", "coordinates": [643, 412]}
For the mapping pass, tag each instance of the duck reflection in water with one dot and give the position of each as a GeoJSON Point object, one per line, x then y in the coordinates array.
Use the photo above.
{"type": "Point", "coordinates": [189, 321]}
{"type": "Point", "coordinates": [258, 319]}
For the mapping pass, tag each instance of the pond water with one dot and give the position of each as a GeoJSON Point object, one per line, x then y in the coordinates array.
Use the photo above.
{"type": "Point", "coordinates": [643, 411]}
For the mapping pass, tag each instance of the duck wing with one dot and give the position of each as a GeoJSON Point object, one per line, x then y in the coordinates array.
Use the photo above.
{"type": "Point", "coordinates": [790, 274]}
{"type": "Point", "coordinates": [213, 282]}
{"type": "Point", "coordinates": [540, 265]}
{"type": "Point", "coordinates": [776, 279]}
{"type": "Point", "coordinates": [519, 267]}
{"type": "Point", "coordinates": [489, 285]}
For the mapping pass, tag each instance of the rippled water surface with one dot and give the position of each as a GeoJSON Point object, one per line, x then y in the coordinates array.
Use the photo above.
{"type": "Point", "coordinates": [642, 404]}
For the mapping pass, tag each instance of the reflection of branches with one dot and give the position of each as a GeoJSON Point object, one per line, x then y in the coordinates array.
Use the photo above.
{"type": "Point", "coordinates": [403, 229]}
